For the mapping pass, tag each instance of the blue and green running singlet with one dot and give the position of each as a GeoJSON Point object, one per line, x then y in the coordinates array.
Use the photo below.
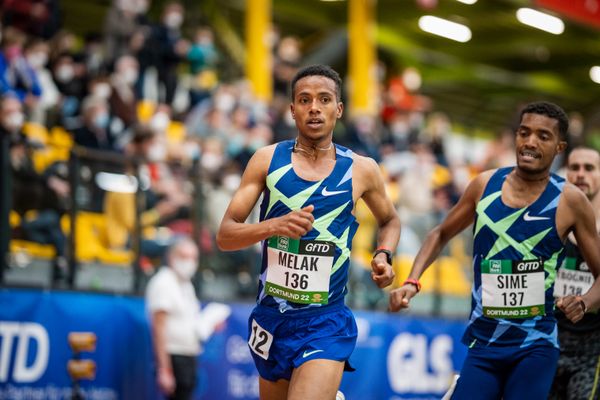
{"type": "Point", "coordinates": [313, 271]}
{"type": "Point", "coordinates": [515, 255]}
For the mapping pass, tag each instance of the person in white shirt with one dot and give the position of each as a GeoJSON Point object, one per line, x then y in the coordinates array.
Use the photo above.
{"type": "Point", "coordinates": [175, 321]}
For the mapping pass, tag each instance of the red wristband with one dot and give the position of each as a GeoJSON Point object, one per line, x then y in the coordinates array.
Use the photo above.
{"type": "Point", "coordinates": [414, 282]}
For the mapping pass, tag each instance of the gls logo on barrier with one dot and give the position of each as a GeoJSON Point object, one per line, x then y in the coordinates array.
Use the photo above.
{"type": "Point", "coordinates": [23, 334]}
{"type": "Point", "coordinates": [415, 367]}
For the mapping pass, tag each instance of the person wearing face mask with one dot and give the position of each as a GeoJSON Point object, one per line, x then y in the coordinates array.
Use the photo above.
{"type": "Point", "coordinates": [69, 79]}
{"type": "Point", "coordinates": [94, 132]}
{"type": "Point", "coordinates": [168, 47]}
{"type": "Point", "coordinates": [36, 54]}
{"type": "Point", "coordinates": [123, 99]}
{"type": "Point", "coordinates": [120, 24]}
{"type": "Point", "coordinates": [176, 321]}
{"type": "Point", "coordinates": [16, 75]}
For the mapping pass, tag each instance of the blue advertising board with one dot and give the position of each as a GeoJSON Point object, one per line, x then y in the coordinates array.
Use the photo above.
{"type": "Point", "coordinates": [397, 357]}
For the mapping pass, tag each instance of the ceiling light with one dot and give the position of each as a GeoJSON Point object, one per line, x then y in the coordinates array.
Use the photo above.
{"type": "Point", "coordinates": [443, 27]}
{"type": "Point", "coordinates": [595, 74]}
{"type": "Point", "coordinates": [469, 2]}
{"type": "Point", "coordinates": [540, 20]}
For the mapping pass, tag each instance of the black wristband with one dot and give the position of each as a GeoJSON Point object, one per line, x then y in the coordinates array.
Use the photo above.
{"type": "Point", "coordinates": [387, 253]}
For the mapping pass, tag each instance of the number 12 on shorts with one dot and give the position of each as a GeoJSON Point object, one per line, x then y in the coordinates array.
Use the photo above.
{"type": "Point", "coordinates": [260, 340]}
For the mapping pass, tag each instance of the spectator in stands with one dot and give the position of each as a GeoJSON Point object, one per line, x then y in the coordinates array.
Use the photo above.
{"type": "Point", "coordinates": [46, 193]}
{"type": "Point", "coordinates": [36, 54]}
{"type": "Point", "coordinates": [16, 75]}
{"type": "Point", "coordinates": [123, 100]}
{"type": "Point", "coordinates": [203, 58]}
{"type": "Point", "coordinates": [64, 42]}
{"type": "Point", "coordinates": [120, 24]}
{"type": "Point", "coordinates": [92, 56]}
{"type": "Point", "coordinates": [70, 80]}
{"type": "Point", "coordinates": [169, 48]}
{"type": "Point", "coordinates": [95, 133]}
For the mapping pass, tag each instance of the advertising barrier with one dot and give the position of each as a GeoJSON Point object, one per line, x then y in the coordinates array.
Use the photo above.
{"type": "Point", "coordinates": [397, 356]}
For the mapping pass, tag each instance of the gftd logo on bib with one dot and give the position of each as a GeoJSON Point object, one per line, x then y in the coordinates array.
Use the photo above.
{"type": "Point", "coordinates": [495, 266]}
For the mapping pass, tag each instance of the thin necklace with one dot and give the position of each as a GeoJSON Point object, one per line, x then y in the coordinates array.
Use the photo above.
{"type": "Point", "coordinates": [313, 150]}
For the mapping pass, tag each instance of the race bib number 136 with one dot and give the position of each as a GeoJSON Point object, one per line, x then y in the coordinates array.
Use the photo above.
{"type": "Point", "coordinates": [299, 270]}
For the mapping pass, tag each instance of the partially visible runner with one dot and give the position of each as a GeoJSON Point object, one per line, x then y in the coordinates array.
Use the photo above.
{"type": "Point", "coordinates": [578, 372]}
{"type": "Point", "coordinates": [522, 216]}
{"type": "Point", "coordinates": [301, 334]}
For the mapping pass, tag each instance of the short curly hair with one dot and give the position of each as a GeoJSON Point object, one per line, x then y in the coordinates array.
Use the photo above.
{"type": "Point", "coordinates": [320, 70]}
{"type": "Point", "coordinates": [550, 110]}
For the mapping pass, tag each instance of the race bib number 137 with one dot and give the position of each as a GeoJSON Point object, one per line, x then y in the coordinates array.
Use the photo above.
{"type": "Point", "coordinates": [513, 289]}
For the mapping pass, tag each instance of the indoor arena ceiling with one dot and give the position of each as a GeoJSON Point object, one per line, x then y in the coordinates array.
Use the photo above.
{"type": "Point", "coordinates": [480, 83]}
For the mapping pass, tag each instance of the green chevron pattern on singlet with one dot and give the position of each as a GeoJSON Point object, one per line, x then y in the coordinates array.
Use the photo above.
{"type": "Point", "coordinates": [320, 224]}
{"type": "Point", "coordinates": [501, 227]}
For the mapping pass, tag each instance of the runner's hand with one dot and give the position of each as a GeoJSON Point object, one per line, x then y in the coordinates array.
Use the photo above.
{"type": "Point", "coordinates": [382, 274]}
{"type": "Point", "coordinates": [296, 224]}
{"type": "Point", "coordinates": [573, 307]}
{"type": "Point", "coordinates": [400, 298]}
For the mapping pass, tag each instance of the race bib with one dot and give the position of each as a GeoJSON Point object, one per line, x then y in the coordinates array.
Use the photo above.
{"type": "Point", "coordinates": [299, 270]}
{"type": "Point", "coordinates": [513, 289]}
{"type": "Point", "coordinates": [260, 340]}
{"type": "Point", "coordinates": [572, 278]}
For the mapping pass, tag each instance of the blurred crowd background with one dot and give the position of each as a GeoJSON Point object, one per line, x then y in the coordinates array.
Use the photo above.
{"type": "Point", "coordinates": [117, 140]}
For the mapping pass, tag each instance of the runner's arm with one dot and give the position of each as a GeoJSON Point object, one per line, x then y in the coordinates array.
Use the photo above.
{"type": "Point", "coordinates": [588, 241]}
{"type": "Point", "coordinates": [234, 233]}
{"type": "Point", "coordinates": [458, 218]}
{"type": "Point", "coordinates": [381, 206]}
{"type": "Point", "coordinates": [388, 221]}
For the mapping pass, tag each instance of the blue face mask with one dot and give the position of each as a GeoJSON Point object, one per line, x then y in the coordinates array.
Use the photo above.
{"type": "Point", "coordinates": [101, 121]}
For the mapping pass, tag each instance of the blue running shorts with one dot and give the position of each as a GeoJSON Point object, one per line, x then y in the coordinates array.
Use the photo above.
{"type": "Point", "coordinates": [281, 342]}
{"type": "Point", "coordinates": [508, 373]}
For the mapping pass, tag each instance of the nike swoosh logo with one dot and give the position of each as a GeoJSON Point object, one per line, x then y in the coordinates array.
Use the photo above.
{"type": "Point", "coordinates": [529, 218]}
{"type": "Point", "coordinates": [310, 353]}
{"type": "Point", "coordinates": [326, 192]}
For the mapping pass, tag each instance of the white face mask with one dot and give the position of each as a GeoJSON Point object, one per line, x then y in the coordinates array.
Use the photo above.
{"type": "Point", "coordinates": [159, 122]}
{"type": "Point", "coordinates": [173, 20]}
{"type": "Point", "coordinates": [211, 161]}
{"type": "Point", "coordinates": [14, 121]}
{"type": "Point", "coordinates": [225, 102]}
{"type": "Point", "coordinates": [65, 73]}
{"type": "Point", "coordinates": [102, 90]}
{"type": "Point", "coordinates": [232, 182]}
{"type": "Point", "coordinates": [157, 153]}
{"type": "Point", "coordinates": [130, 76]}
{"type": "Point", "coordinates": [37, 60]}
{"type": "Point", "coordinates": [184, 268]}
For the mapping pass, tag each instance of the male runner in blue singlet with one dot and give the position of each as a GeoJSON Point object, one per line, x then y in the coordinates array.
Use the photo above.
{"type": "Point", "coordinates": [301, 333]}
{"type": "Point", "coordinates": [522, 216]}
{"type": "Point", "coordinates": [577, 375]}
